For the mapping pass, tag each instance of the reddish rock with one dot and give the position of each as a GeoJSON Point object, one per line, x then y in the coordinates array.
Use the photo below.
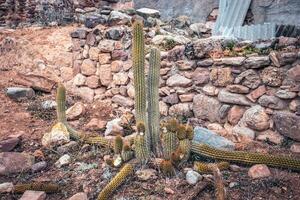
{"type": "Point", "coordinates": [294, 73]}
{"type": "Point", "coordinates": [186, 97]}
{"type": "Point", "coordinates": [105, 75]}
{"type": "Point", "coordinates": [116, 66]}
{"type": "Point", "coordinates": [92, 82]}
{"type": "Point", "coordinates": [255, 94]}
{"type": "Point", "coordinates": [75, 111]}
{"type": "Point", "coordinates": [119, 55]}
{"type": "Point", "coordinates": [9, 144]}
{"type": "Point", "coordinates": [272, 76]}
{"type": "Point", "coordinates": [295, 148]}
{"type": "Point", "coordinates": [259, 171]}
{"type": "Point", "coordinates": [221, 76]}
{"type": "Point", "coordinates": [79, 196]}
{"type": "Point", "coordinates": [104, 58]}
{"type": "Point", "coordinates": [96, 124]}
{"type": "Point", "coordinates": [200, 76]}
{"type": "Point", "coordinates": [94, 53]}
{"type": "Point", "coordinates": [33, 195]}
{"type": "Point", "coordinates": [235, 114]}
{"type": "Point", "coordinates": [237, 89]}
{"type": "Point", "coordinates": [88, 67]}
{"type": "Point", "coordinates": [66, 73]}
{"type": "Point", "coordinates": [12, 162]}
{"type": "Point", "coordinates": [271, 136]}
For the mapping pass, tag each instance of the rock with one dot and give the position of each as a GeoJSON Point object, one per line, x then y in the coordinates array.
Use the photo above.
{"type": "Point", "coordinates": [79, 33]}
{"type": "Point", "coordinates": [33, 195]}
{"type": "Point", "coordinates": [210, 90]}
{"type": "Point", "coordinates": [232, 98]}
{"type": "Point", "coordinates": [63, 160]}
{"type": "Point", "coordinates": [205, 63]}
{"type": "Point", "coordinates": [295, 105]}
{"type": "Point", "coordinates": [203, 135]}
{"type": "Point", "coordinates": [171, 99]}
{"type": "Point", "coordinates": [233, 184]}
{"type": "Point", "coordinates": [295, 148]}
{"type": "Point", "coordinates": [146, 174]}
{"type": "Point", "coordinates": [258, 92]}
{"type": "Point", "coordinates": [75, 111]}
{"type": "Point", "coordinates": [122, 101]}
{"type": "Point", "coordinates": [163, 108]}
{"type": "Point", "coordinates": [94, 53]}
{"type": "Point", "coordinates": [118, 18]}
{"type": "Point", "coordinates": [192, 177]}
{"type": "Point", "coordinates": [200, 76]}
{"type": "Point", "coordinates": [121, 78]}
{"type": "Point", "coordinates": [231, 61]}
{"type": "Point", "coordinates": [235, 114]}
{"type": "Point", "coordinates": [180, 22]}
{"type": "Point", "coordinates": [85, 93]}
{"type": "Point", "coordinates": [91, 39]}
{"type": "Point", "coordinates": [6, 187]}
{"type": "Point", "coordinates": [9, 144]}
{"type": "Point", "coordinates": [205, 107]}
{"type": "Point", "coordinates": [67, 147]}
{"type": "Point", "coordinates": [91, 21]}
{"type": "Point", "coordinates": [256, 118]}
{"type": "Point", "coordinates": [185, 65]}
{"type": "Point", "coordinates": [221, 76]}
{"type": "Point", "coordinates": [113, 126]}
{"type": "Point", "coordinates": [58, 135]}
{"type": "Point", "coordinates": [287, 124]}
{"type": "Point", "coordinates": [178, 81]}
{"type": "Point", "coordinates": [199, 28]}
{"type": "Point", "coordinates": [294, 73]}
{"type": "Point", "coordinates": [66, 73]}
{"type": "Point", "coordinates": [147, 12]}
{"type": "Point", "coordinates": [223, 111]}
{"type": "Point", "coordinates": [105, 74]}
{"type": "Point", "coordinates": [259, 171]}
{"type": "Point", "coordinates": [104, 58]}
{"type": "Point", "coordinates": [243, 131]}
{"type": "Point", "coordinates": [248, 78]}
{"type": "Point", "coordinates": [88, 67]}
{"type": "Point", "coordinates": [284, 94]}
{"type": "Point", "coordinates": [106, 46]}
{"type": "Point", "coordinates": [272, 76]}
{"type": "Point", "coordinates": [257, 62]}
{"type": "Point", "coordinates": [93, 82]}
{"type": "Point", "coordinates": [39, 166]}
{"type": "Point", "coordinates": [181, 109]}
{"type": "Point", "coordinates": [79, 80]}
{"type": "Point", "coordinates": [173, 39]}
{"type": "Point", "coordinates": [287, 57]}
{"type": "Point", "coordinates": [237, 89]}
{"type": "Point", "coordinates": [116, 66]}
{"type": "Point", "coordinates": [119, 54]}
{"type": "Point", "coordinates": [18, 93]}
{"type": "Point", "coordinates": [271, 102]}
{"type": "Point", "coordinates": [270, 136]}
{"type": "Point", "coordinates": [114, 33]}
{"type": "Point", "coordinates": [49, 105]}
{"type": "Point", "coordinates": [187, 97]}
{"type": "Point", "coordinates": [204, 47]}
{"type": "Point", "coordinates": [79, 196]}
{"type": "Point", "coordinates": [13, 162]}
{"type": "Point", "coordinates": [95, 124]}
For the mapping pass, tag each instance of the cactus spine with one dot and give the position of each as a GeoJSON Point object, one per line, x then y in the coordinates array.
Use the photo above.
{"type": "Point", "coordinates": [126, 153]}
{"type": "Point", "coordinates": [245, 157]}
{"type": "Point", "coordinates": [121, 176]}
{"type": "Point", "coordinates": [185, 146]}
{"type": "Point", "coordinates": [142, 153]}
{"type": "Point", "coordinates": [169, 144]}
{"type": "Point", "coordinates": [37, 186]}
{"type": "Point", "coordinates": [138, 57]}
{"type": "Point", "coordinates": [153, 103]}
{"type": "Point", "coordinates": [118, 144]}
{"type": "Point", "coordinates": [208, 167]}
{"type": "Point", "coordinates": [167, 168]}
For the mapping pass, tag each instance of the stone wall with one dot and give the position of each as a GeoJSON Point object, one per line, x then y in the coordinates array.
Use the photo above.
{"type": "Point", "coordinates": [236, 89]}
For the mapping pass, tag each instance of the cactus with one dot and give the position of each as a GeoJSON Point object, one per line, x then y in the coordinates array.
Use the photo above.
{"type": "Point", "coordinates": [142, 153]}
{"type": "Point", "coordinates": [121, 176]}
{"type": "Point", "coordinates": [169, 144]}
{"type": "Point", "coordinates": [181, 132]}
{"type": "Point", "coordinates": [246, 157]}
{"type": "Point", "coordinates": [153, 103]}
{"type": "Point", "coordinates": [208, 167]}
{"type": "Point", "coordinates": [177, 156]}
{"type": "Point", "coordinates": [219, 185]}
{"type": "Point", "coordinates": [172, 125]}
{"type": "Point", "coordinates": [37, 186]}
{"type": "Point", "coordinates": [138, 58]}
{"type": "Point", "coordinates": [126, 153]}
{"type": "Point", "coordinates": [189, 132]}
{"type": "Point", "coordinates": [185, 146]}
{"type": "Point", "coordinates": [167, 168]}
{"type": "Point", "coordinates": [99, 141]}
{"type": "Point", "coordinates": [118, 144]}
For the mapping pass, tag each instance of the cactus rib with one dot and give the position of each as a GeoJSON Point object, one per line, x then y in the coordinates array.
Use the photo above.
{"type": "Point", "coordinates": [246, 157]}
{"type": "Point", "coordinates": [142, 153]}
{"type": "Point", "coordinates": [153, 103]}
{"type": "Point", "coordinates": [169, 144]}
{"type": "Point", "coordinates": [98, 140]}
{"type": "Point", "coordinates": [37, 186]}
{"type": "Point", "coordinates": [121, 176]}
{"type": "Point", "coordinates": [118, 145]}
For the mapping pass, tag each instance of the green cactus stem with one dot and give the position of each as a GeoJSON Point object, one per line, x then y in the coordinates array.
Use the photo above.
{"type": "Point", "coordinates": [169, 143]}
{"type": "Point", "coordinates": [118, 144]}
{"type": "Point", "coordinates": [208, 167]}
{"type": "Point", "coordinates": [153, 102]}
{"type": "Point", "coordinates": [142, 153]}
{"type": "Point", "coordinates": [98, 140]}
{"type": "Point", "coordinates": [246, 157]}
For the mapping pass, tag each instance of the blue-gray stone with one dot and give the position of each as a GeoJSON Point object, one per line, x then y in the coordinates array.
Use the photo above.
{"type": "Point", "coordinates": [203, 135]}
{"type": "Point", "coordinates": [18, 93]}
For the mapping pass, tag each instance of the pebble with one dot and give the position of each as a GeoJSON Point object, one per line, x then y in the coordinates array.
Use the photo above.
{"type": "Point", "coordinates": [33, 195]}
{"type": "Point", "coordinates": [79, 196]}
{"type": "Point", "coordinates": [6, 187]}
{"type": "Point", "coordinates": [259, 171]}
{"type": "Point", "coordinates": [39, 166]}
{"type": "Point", "coordinates": [18, 93]}
{"type": "Point", "coordinates": [192, 177]}
{"type": "Point", "coordinates": [62, 161]}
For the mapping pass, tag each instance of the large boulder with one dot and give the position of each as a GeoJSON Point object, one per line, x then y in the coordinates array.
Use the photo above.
{"type": "Point", "coordinates": [287, 124]}
{"type": "Point", "coordinates": [13, 162]}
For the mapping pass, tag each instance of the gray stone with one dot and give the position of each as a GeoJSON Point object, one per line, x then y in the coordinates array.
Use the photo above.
{"type": "Point", "coordinates": [122, 101]}
{"type": "Point", "coordinates": [6, 187]}
{"type": "Point", "coordinates": [147, 12]}
{"type": "Point", "coordinates": [9, 144]}
{"type": "Point", "coordinates": [39, 166]}
{"type": "Point", "coordinates": [63, 160]}
{"type": "Point", "coordinates": [232, 98]}
{"type": "Point", "coordinates": [256, 118]}
{"type": "Point", "coordinates": [192, 177]}
{"type": "Point", "coordinates": [203, 135]}
{"type": "Point", "coordinates": [18, 93]}
{"type": "Point", "coordinates": [203, 47]}
{"type": "Point", "coordinates": [223, 111]}
{"type": "Point", "coordinates": [284, 94]}
{"type": "Point", "coordinates": [67, 147]}
{"type": "Point", "coordinates": [257, 62]}
{"type": "Point", "coordinates": [178, 81]}
{"type": "Point", "coordinates": [272, 102]}
{"type": "Point", "coordinates": [248, 78]}
{"type": "Point", "coordinates": [181, 109]}
{"type": "Point", "coordinates": [272, 76]}
{"type": "Point", "coordinates": [106, 46]}
{"type": "Point", "coordinates": [49, 104]}
{"type": "Point", "coordinates": [171, 99]}
{"type": "Point", "coordinates": [13, 162]}
{"type": "Point", "coordinates": [205, 63]}
{"type": "Point", "coordinates": [199, 28]}
{"type": "Point", "coordinates": [287, 124]}
{"type": "Point", "coordinates": [294, 73]}
{"type": "Point", "coordinates": [210, 90]}
{"type": "Point", "coordinates": [93, 20]}
{"type": "Point", "coordinates": [79, 33]}
{"type": "Point", "coordinates": [232, 61]}
{"type": "Point", "coordinates": [114, 33]}
{"type": "Point", "coordinates": [243, 131]}
{"type": "Point", "coordinates": [119, 18]}
{"type": "Point", "coordinates": [206, 108]}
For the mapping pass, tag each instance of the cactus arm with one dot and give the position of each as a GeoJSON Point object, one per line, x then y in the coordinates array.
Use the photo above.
{"type": "Point", "coordinates": [153, 102]}
{"type": "Point", "coordinates": [245, 157]}
{"type": "Point", "coordinates": [169, 144]}
{"type": "Point", "coordinates": [208, 167]}
{"type": "Point", "coordinates": [61, 103]}
{"type": "Point", "coordinates": [115, 182]}
{"type": "Point", "coordinates": [99, 140]}
{"type": "Point", "coordinates": [138, 57]}
{"type": "Point", "coordinates": [142, 153]}
{"type": "Point", "coordinates": [37, 186]}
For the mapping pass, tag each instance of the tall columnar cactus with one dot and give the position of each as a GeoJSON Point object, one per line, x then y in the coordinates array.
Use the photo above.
{"type": "Point", "coordinates": [153, 102]}
{"type": "Point", "coordinates": [142, 153]}
{"type": "Point", "coordinates": [37, 186]}
{"type": "Point", "coordinates": [121, 176]}
{"type": "Point", "coordinates": [245, 157]}
{"type": "Point", "coordinates": [138, 57]}
{"type": "Point", "coordinates": [118, 144]}
{"type": "Point", "coordinates": [61, 103]}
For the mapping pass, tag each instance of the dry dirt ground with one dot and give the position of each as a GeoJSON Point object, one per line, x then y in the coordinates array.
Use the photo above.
{"type": "Point", "coordinates": [26, 119]}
